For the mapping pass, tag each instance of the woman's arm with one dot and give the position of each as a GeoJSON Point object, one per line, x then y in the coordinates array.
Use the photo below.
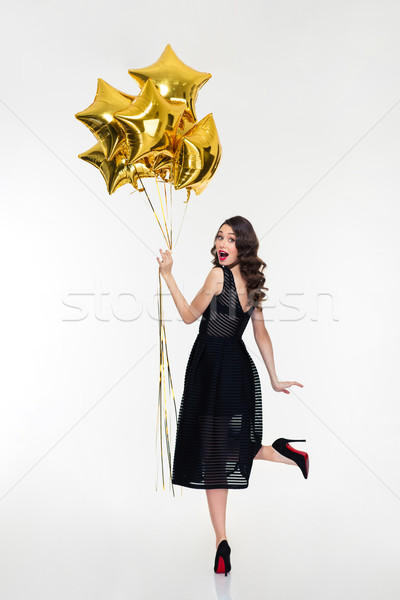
{"type": "Point", "coordinates": [190, 312]}
{"type": "Point", "coordinates": [264, 344]}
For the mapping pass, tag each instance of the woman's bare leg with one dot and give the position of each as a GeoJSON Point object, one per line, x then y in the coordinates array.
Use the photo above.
{"type": "Point", "coordinates": [217, 500]}
{"type": "Point", "coordinates": [269, 453]}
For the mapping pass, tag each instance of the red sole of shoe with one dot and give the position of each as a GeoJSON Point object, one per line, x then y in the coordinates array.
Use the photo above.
{"type": "Point", "coordinates": [302, 453]}
{"type": "Point", "coordinates": [221, 565]}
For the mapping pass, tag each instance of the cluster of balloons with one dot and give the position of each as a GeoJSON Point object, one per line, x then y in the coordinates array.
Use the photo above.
{"type": "Point", "coordinates": [154, 134]}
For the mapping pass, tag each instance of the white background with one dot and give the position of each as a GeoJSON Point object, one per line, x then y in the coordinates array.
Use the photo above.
{"type": "Point", "coordinates": [306, 98]}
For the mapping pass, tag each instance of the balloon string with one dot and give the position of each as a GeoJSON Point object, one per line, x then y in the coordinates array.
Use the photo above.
{"type": "Point", "coordinates": [170, 211]}
{"type": "Point", "coordinates": [171, 391]}
{"type": "Point", "coordinates": [166, 201]}
{"type": "Point", "coordinates": [184, 213]}
{"type": "Point", "coordinates": [159, 383]}
{"type": "Point", "coordinates": [163, 213]}
{"type": "Point", "coordinates": [170, 200]}
{"type": "Point", "coordinates": [158, 417]}
{"type": "Point", "coordinates": [166, 417]}
{"type": "Point", "coordinates": [155, 214]}
{"type": "Point", "coordinates": [170, 376]}
{"type": "Point", "coordinates": [164, 369]}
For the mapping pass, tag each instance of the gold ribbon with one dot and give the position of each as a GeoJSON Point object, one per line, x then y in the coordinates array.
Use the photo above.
{"type": "Point", "coordinates": [166, 406]}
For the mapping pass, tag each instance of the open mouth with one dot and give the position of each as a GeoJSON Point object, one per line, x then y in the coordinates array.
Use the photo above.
{"type": "Point", "coordinates": [222, 255]}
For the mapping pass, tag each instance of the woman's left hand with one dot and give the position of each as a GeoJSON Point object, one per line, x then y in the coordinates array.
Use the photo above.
{"type": "Point", "coordinates": [279, 386]}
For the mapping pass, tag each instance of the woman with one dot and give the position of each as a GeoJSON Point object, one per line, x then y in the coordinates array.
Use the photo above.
{"type": "Point", "coordinates": [219, 430]}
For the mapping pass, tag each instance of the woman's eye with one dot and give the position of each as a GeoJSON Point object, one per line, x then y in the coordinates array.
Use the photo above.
{"type": "Point", "coordinates": [230, 239]}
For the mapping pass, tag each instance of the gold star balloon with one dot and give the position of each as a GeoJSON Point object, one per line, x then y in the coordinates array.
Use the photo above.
{"type": "Point", "coordinates": [117, 171]}
{"type": "Point", "coordinates": [174, 80]}
{"type": "Point", "coordinates": [150, 122]}
{"type": "Point", "coordinates": [197, 156]}
{"type": "Point", "coordinates": [99, 117]}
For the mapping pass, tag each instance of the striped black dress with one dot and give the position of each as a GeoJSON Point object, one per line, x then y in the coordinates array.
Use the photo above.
{"type": "Point", "coordinates": [220, 424]}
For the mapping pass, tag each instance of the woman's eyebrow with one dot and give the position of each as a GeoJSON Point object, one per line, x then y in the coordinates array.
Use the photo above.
{"type": "Point", "coordinates": [228, 233]}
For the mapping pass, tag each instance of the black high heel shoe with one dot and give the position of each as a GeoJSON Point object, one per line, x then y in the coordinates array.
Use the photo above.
{"type": "Point", "coordinates": [222, 558]}
{"type": "Point", "coordinates": [282, 446]}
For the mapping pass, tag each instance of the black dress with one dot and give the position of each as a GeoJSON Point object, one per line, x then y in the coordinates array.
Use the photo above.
{"type": "Point", "coordinates": [219, 428]}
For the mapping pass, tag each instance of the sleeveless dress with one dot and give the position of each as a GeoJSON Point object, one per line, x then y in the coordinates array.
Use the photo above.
{"type": "Point", "coordinates": [219, 429]}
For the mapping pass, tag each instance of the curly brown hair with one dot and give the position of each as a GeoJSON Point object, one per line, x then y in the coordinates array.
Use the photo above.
{"type": "Point", "coordinates": [251, 266]}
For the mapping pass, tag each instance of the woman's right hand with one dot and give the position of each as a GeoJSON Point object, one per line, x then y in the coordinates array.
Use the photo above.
{"type": "Point", "coordinates": [165, 263]}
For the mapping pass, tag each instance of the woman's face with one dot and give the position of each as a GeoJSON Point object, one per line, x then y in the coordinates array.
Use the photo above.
{"type": "Point", "coordinates": [226, 242]}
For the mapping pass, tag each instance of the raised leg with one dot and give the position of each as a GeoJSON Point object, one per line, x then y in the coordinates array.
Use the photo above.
{"type": "Point", "coordinates": [269, 453]}
{"type": "Point", "coordinates": [217, 500]}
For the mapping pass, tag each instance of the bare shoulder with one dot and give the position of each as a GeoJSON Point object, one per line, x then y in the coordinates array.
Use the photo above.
{"type": "Point", "coordinates": [217, 269]}
{"type": "Point", "coordinates": [215, 280]}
